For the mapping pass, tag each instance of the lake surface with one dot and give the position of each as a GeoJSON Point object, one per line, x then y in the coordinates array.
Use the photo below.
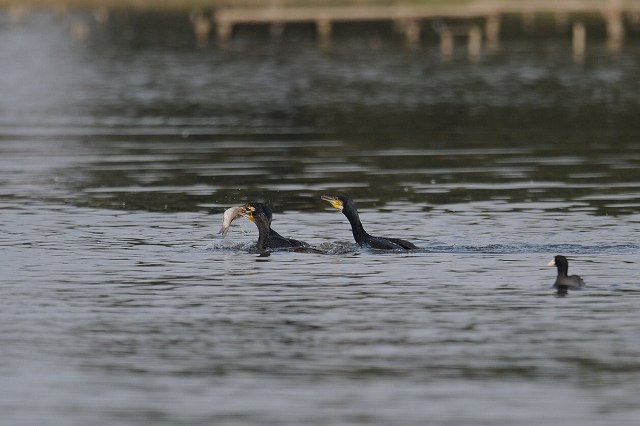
{"type": "Point", "coordinates": [122, 305]}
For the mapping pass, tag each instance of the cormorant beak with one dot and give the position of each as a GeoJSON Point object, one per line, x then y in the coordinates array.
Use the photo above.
{"type": "Point", "coordinates": [334, 201]}
{"type": "Point", "coordinates": [248, 212]}
{"type": "Point", "coordinates": [552, 263]}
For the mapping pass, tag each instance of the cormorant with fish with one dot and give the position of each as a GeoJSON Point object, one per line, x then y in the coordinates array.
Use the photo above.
{"type": "Point", "coordinates": [260, 214]}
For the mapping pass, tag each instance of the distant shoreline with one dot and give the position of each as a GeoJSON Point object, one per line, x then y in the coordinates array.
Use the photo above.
{"type": "Point", "coordinates": [207, 4]}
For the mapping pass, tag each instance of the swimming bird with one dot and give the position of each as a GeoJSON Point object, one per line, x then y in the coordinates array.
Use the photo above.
{"type": "Point", "coordinates": [348, 208]}
{"type": "Point", "coordinates": [564, 282]}
{"type": "Point", "coordinates": [261, 215]}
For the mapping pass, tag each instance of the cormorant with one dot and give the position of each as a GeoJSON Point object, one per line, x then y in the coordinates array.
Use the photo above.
{"type": "Point", "coordinates": [348, 208]}
{"type": "Point", "coordinates": [261, 215]}
{"type": "Point", "coordinates": [564, 282]}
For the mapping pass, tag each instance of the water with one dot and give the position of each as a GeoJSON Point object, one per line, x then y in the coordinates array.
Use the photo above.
{"type": "Point", "coordinates": [120, 305]}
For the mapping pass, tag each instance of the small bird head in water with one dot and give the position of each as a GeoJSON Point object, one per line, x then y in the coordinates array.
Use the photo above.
{"type": "Point", "coordinates": [561, 262]}
{"type": "Point", "coordinates": [564, 281]}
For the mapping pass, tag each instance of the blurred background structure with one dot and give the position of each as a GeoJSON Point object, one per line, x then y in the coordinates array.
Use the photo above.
{"type": "Point", "coordinates": [477, 21]}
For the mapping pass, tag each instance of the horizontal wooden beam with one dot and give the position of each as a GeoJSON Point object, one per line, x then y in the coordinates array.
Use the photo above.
{"type": "Point", "coordinates": [400, 12]}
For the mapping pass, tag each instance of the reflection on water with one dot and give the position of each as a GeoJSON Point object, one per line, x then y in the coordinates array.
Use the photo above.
{"type": "Point", "coordinates": [162, 127]}
{"type": "Point", "coordinates": [119, 155]}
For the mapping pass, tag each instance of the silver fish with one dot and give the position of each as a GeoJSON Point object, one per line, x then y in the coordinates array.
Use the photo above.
{"type": "Point", "coordinates": [230, 215]}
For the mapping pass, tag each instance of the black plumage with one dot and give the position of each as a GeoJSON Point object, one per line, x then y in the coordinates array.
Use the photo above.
{"type": "Point", "coordinates": [261, 215]}
{"type": "Point", "coordinates": [362, 238]}
{"type": "Point", "coordinates": [565, 282]}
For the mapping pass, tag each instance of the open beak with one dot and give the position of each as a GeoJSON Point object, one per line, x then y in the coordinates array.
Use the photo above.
{"type": "Point", "coordinates": [334, 201]}
{"type": "Point", "coordinates": [552, 263]}
{"type": "Point", "coordinates": [248, 212]}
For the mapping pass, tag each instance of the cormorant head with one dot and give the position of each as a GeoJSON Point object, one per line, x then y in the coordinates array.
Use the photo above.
{"type": "Point", "coordinates": [340, 202]}
{"type": "Point", "coordinates": [254, 209]}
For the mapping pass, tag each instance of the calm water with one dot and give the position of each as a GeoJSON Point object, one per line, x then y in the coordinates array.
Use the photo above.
{"type": "Point", "coordinates": [120, 304]}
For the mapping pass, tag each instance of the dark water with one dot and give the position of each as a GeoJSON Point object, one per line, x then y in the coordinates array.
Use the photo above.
{"type": "Point", "coordinates": [120, 304]}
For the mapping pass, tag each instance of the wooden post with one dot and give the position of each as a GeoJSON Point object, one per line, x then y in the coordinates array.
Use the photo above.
{"type": "Point", "coordinates": [323, 29]}
{"type": "Point", "coordinates": [579, 42]}
{"type": "Point", "coordinates": [492, 31]}
{"type": "Point", "coordinates": [101, 15]}
{"type": "Point", "coordinates": [276, 29]}
{"type": "Point", "coordinates": [80, 30]}
{"type": "Point", "coordinates": [528, 22]}
{"type": "Point", "coordinates": [201, 28]}
{"type": "Point", "coordinates": [446, 43]}
{"type": "Point", "coordinates": [412, 32]}
{"type": "Point", "coordinates": [60, 10]}
{"type": "Point", "coordinates": [18, 14]}
{"type": "Point", "coordinates": [615, 28]}
{"type": "Point", "coordinates": [562, 21]}
{"type": "Point", "coordinates": [224, 29]}
{"type": "Point", "coordinates": [474, 46]}
{"type": "Point", "coordinates": [634, 19]}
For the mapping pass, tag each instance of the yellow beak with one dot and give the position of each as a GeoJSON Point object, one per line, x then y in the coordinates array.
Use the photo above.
{"type": "Point", "coordinates": [335, 201]}
{"type": "Point", "coordinates": [248, 212]}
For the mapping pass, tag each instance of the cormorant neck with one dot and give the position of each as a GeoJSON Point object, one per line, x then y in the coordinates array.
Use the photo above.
{"type": "Point", "coordinates": [563, 269]}
{"type": "Point", "coordinates": [359, 234]}
{"type": "Point", "coordinates": [263, 234]}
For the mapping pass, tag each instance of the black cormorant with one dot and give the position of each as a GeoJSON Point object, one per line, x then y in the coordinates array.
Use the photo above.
{"type": "Point", "coordinates": [261, 215]}
{"type": "Point", "coordinates": [348, 208]}
{"type": "Point", "coordinates": [564, 282]}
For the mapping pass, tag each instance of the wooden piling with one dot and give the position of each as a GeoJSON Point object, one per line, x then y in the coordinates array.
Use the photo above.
{"type": "Point", "coordinates": [474, 43]}
{"type": "Point", "coordinates": [579, 42]}
{"type": "Point", "coordinates": [615, 28]}
{"type": "Point", "coordinates": [492, 31]}
{"type": "Point", "coordinates": [411, 28]}
{"type": "Point", "coordinates": [201, 28]}
{"type": "Point", "coordinates": [562, 21]}
{"type": "Point", "coordinates": [19, 14]}
{"type": "Point", "coordinates": [80, 30]}
{"type": "Point", "coordinates": [634, 19]}
{"type": "Point", "coordinates": [323, 31]}
{"type": "Point", "coordinates": [276, 30]}
{"type": "Point", "coordinates": [101, 15]}
{"type": "Point", "coordinates": [409, 18]}
{"type": "Point", "coordinates": [447, 43]}
{"type": "Point", "coordinates": [528, 21]}
{"type": "Point", "coordinates": [224, 29]}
